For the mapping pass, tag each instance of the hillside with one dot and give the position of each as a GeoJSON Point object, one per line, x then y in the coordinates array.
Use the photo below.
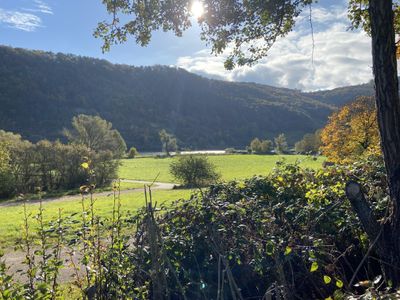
{"type": "Point", "coordinates": [343, 95]}
{"type": "Point", "coordinates": [40, 92]}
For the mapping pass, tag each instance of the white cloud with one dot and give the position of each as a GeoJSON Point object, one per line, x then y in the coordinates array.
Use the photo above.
{"type": "Point", "coordinates": [41, 7]}
{"type": "Point", "coordinates": [341, 57]}
{"type": "Point", "coordinates": [20, 20]}
{"type": "Point", "coordinates": [25, 19]}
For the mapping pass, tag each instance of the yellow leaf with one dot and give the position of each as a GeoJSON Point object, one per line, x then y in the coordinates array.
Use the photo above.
{"type": "Point", "coordinates": [339, 283]}
{"type": "Point", "coordinates": [288, 250]}
{"type": "Point", "coordinates": [327, 279]}
{"type": "Point", "coordinates": [329, 298]}
{"type": "Point", "coordinates": [241, 185]}
{"type": "Point", "coordinates": [314, 267]}
{"type": "Point", "coordinates": [85, 165]}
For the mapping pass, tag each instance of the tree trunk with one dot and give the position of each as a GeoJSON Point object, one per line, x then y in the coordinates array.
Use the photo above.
{"type": "Point", "coordinates": [388, 110]}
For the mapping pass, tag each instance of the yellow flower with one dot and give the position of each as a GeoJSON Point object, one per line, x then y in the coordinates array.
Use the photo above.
{"type": "Point", "coordinates": [85, 165]}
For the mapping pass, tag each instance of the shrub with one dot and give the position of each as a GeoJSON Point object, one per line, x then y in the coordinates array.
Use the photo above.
{"type": "Point", "coordinates": [290, 235]}
{"type": "Point", "coordinates": [193, 171]}
{"type": "Point", "coordinates": [133, 152]}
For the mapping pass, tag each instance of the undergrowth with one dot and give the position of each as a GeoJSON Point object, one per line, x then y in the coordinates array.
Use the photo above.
{"type": "Point", "coordinates": [290, 235]}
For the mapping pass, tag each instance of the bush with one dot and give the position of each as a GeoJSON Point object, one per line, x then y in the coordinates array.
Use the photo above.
{"type": "Point", "coordinates": [193, 171]}
{"type": "Point", "coordinates": [56, 166]}
{"type": "Point", "coordinates": [133, 152]}
{"type": "Point", "coordinates": [293, 230]}
{"type": "Point", "coordinates": [289, 235]}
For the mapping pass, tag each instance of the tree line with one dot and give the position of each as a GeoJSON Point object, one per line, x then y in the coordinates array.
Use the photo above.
{"type": "Point", "coordinates": [351, 133]}
{"type": "Point", "coordinates": [279, 145]}
{"type": "Point", "coordinates": [27, 167]}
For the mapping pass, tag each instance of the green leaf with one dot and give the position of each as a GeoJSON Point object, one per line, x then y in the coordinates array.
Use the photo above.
{"type": "Point", "coordinates": [327, 279]}
{"type": "Point", "coordinates": [314, 267]}
{"type": "Point", "coordinates": [339, 283]}
{"type": "Point", "coordinates": [288, 250]}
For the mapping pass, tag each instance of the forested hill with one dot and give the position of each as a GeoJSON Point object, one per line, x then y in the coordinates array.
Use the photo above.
{"type": "Point", "coordinates": [343, 95]}
{"type": "Point", "coordinates": [40, 92]}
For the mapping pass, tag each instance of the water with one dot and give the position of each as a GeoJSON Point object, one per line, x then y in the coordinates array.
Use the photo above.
{"type": "Point", "coordinates": [210, 152]}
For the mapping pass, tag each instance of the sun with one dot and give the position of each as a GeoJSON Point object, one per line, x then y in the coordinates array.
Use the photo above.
{"type": "Point", "coordinates": [197, 9]}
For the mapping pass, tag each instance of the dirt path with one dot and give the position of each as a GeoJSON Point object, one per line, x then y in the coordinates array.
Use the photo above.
{"type": "Point", "coordinates": [14, 259]}
{"type": "Point", "coordinates": [15, 262]}
{"type": "Point", "coordinates": [154, 186]}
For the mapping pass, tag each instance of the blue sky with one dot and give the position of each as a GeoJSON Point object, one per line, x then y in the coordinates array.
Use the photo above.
{"type": "Point", "coordinates": [341, 57]}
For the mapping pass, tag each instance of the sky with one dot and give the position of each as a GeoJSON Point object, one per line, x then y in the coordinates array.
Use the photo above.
{"type": "Point", "coordinates": [341, 57]}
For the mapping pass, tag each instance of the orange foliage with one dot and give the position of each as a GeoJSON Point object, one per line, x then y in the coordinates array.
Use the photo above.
{"type": "Point", "coordinates": [352, 132]}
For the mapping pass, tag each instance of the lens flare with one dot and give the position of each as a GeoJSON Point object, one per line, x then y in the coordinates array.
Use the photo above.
{"type": "Point", "coordinates": [197, 9]}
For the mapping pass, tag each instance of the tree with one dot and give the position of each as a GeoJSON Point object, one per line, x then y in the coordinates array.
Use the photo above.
{"type": "Point", "coordinates": [132, 152]}
{"type": "Point", "coordinates": [309, 144]}
{"type": "Point", "coordinates": [281, 145]}
{"type": "Point", "coordinates": [96, 134]}
{"type": "Point", "coordinates": [352, 132]}
{"type": "Point", "coordinates": [261, 147]}
{"type": "Point", "coordinates": [224, 24]}
{"type": "Point", "coordinates": [250, 28]}
{"type": "Point", "coordinates": [359, 14]}
{"type": "Point", "coordinates": [388, 113]}
{"type": "Point", "coordinates": [9, 139]}
{"type": "Point", "coordinates": [193, 171]}
{"type": "Point", "coordinates": [267, 146]}
{"type": "Point", "coordinates": [168, 142]}
{"type": "Point", "coordinates": [255, 145]}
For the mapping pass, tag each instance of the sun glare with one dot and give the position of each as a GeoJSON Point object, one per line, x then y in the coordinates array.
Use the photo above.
{"type": "Point", "coordinates": [197, 9]}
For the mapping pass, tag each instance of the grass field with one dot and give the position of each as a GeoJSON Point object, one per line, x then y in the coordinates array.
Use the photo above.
{"type": "Point", "coordinates": [229, 166]}
{"type": "Point", "coordinates": [11, 217]}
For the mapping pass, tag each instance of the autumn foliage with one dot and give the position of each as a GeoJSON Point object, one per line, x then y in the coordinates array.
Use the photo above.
{"type": "Point", "coordinates": [352, 132]}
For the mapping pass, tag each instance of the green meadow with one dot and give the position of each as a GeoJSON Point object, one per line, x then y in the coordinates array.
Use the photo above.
{"type": "Point", "coordinates": [231, 167]}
